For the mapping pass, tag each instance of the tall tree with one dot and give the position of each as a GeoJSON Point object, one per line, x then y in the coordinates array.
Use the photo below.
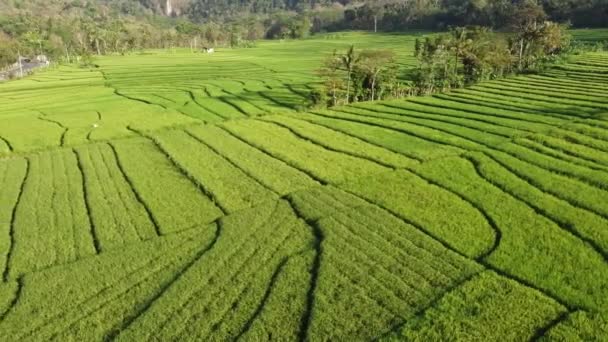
{"type": "Point", "coordinates": [349, 62]}
{"type": "Point", "coordinates": [376, 66]}
{"type": "Point", "coordinates": [526, 21]}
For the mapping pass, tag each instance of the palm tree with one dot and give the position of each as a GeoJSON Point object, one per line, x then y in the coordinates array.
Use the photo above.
{"type": "Point", "coordinates": [460, 44]}
{"type": "Point", "coordinates": [349, 61]}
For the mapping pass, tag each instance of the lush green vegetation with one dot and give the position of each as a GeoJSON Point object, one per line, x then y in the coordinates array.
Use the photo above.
{"type": "Point", "coordinates": [72, 31]}
{"type": "Point", "coordinates": [179, 196]}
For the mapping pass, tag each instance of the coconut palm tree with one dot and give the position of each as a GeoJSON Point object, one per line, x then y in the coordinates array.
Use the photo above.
{"type": "Point", "coordinates": [349, 62]}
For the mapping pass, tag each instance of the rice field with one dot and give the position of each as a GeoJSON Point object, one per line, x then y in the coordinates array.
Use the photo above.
{"type": "Point", "coordinates": [179, 196]}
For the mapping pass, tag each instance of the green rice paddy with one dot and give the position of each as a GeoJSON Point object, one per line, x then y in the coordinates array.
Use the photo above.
{"type": "Point", "coordinates": [172, 195]}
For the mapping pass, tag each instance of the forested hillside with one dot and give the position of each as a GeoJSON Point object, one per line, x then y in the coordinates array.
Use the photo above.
{"type": "Point", "coordinates": [580, 12]}
{"type": "Point", "coordinates": [69, 28]}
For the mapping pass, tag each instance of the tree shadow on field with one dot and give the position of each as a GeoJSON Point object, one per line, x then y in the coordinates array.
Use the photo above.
{"type": "Point", "coordinates": [273, 100]}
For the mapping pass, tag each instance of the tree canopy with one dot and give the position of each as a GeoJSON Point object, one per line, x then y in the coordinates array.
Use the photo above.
{"type": "Point", "coordinates": [67, 28]}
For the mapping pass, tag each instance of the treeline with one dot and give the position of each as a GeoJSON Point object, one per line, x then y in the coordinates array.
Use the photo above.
{"type": "Point", "coordinates": [76, 29]}
{"type": "Point", "coordinates": [440, 14]}
{"type": "Point", "coordinates": [464, 56]}
{"type": "Point", "coordinates": [394, 14]}
{"type": "Point", "coordinates": [71, 38]}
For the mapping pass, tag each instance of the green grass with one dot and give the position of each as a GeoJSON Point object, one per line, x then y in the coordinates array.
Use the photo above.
{"type": "Point", "coordinates": [117, 215]}
{"type": "Point", "coordinates": [151, 174]}
{"type": "Point", "coordinates": [51, 224]}
{"type": "Point", "coordinates": [590, 35]}
{"type": "Point", "coordinates": [214, 171]}
{"type": "Point", "coordinates": [93, 297]}
{"type": "Point", "coordinates": [570, 215]}
{"type": "Point", "coordinates": [327, 165]}
{"type": "Point", "coordinates": [579, 326]}
{"type": "Point", "coordinates": [341, 142]}
{"type": "Point", "coordinates": [532, 245]}
{"type": "Point", "coordinates": [274, 174]}
{"type": "Point", "coordinates": [471, 312]}
{"type": "Point", "coordinates": [221, 289]}
{"type": "Point", "coordinates": [12, 173]}
{"type": "Point", "coordinates": [171, 195]}
{"type": "Point", "coordinates": [444, 215]}
{"type": "Point", "coordinates": [393, 270]}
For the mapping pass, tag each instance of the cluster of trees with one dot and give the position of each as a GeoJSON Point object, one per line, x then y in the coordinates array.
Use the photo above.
{"type": "Point", "coordinates": [353, 76]}
{"type": "Point", "coordinates": [471, 54]}
{"type": "Point", "coordinates": [76, 38]}
{"type": "Point", "coordinates": [439, 14]}
{"type": "Point", "coordinates": [241, 34]}
{"type": "Point", "coordinates": [463, 56]}
{"type": "Point", "coordinates": [393, 14]}
{"type": "Point", "coordinates": [204, 9]}
{"type": "Point", "coordinates": [79, 28]}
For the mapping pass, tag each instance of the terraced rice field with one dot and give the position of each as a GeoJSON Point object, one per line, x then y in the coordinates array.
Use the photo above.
{"type": "Point", "coordinates": [172, 196]}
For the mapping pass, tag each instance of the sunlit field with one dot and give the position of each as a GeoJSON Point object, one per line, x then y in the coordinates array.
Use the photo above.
{"type": "Point", "coordinates": [172, 195]}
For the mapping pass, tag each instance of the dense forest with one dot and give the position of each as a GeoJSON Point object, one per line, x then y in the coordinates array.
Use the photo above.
{"type": "Point", "coordinates": [71, 29]}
